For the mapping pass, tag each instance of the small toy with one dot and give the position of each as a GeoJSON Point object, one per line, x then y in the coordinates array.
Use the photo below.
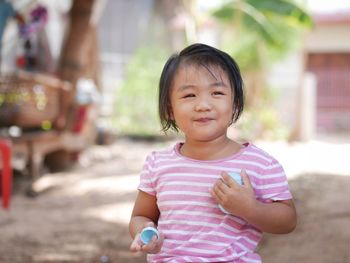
{"type": "Point", "coordinates": [238, 179]}
{"type": "Point", "coordinates": [147, 234]}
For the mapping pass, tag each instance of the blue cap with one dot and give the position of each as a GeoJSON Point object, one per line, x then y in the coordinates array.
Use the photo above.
{"type": "Point", "coordinates": [237, 177]}
{"type": "Point", "coordinates": [147, 234]}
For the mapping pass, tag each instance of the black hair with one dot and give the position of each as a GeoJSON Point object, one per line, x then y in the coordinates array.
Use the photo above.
{"type": "Point", "coordinates": [204, 55]}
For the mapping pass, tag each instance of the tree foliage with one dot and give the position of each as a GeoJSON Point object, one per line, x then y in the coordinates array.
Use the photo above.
{"type": "Point", "coordinates": [258, 32]}
{"type": "Point", "coordinates": [136, 107]}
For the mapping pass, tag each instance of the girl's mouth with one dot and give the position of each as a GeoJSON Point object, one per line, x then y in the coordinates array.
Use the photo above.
{"type": "Point", "coordinates": [203, 120]}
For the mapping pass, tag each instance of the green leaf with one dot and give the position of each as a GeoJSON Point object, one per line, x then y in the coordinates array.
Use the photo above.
{"type": "Point", "coordinates": [283, 8]}
{"type": "Point", "coordinates": [225, 13]}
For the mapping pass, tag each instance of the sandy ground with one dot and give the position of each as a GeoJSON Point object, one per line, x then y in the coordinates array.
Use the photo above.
{"type": "Point", "coordinates": [81, 215]}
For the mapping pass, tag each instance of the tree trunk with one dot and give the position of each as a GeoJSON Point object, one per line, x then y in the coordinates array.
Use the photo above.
{"type": "Point", "coordinates": [80, 55]}
{"type": "Point", "coordinates": [80, 52]}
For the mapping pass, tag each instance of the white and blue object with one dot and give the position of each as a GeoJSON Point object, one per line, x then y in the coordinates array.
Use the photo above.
{"type": "Point", "coordinates": [147, 234]}
{"type": "Point", "coordinates": [237, 177]}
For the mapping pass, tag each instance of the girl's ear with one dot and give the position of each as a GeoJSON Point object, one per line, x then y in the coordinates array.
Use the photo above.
{"type": "Point", "coordinates": [232, 119]}
{"type": "Point", "coordinates": [171, 115]}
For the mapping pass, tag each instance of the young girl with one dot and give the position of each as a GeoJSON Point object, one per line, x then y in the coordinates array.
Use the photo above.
{"type": "Point", "coordinates": [201, 213]}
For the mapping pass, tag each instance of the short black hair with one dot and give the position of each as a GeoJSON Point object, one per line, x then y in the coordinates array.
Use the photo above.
{"type": "Point", "coordinates": [198, 54]}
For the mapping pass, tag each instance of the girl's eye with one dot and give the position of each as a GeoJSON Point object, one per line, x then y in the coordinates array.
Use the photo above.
{"type": "Point", "coordinates": [218, 93]}
{"type": "Point", "coordinates": [189, 95]}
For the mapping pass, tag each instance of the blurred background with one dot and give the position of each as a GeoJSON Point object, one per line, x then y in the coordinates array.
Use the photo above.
{"type": "Point", "coordinates": [78, 114]}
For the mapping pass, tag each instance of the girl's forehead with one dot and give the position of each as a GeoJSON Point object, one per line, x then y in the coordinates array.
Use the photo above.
{"type": "Point", "coordinates": [194, 75]}
{"type": "Point", "coordinates": [192, 70]}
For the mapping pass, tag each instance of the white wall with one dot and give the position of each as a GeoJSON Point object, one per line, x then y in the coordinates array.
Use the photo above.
{"type": "Point", "coordinates": [329, 38]}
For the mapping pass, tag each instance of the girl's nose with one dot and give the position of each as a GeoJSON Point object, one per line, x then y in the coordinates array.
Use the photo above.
{"type": "Point", "coordinates": [203, 104]}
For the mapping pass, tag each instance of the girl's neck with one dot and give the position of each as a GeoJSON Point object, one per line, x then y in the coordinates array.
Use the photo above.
{"type": "Point", "coordinates": [213, 150]}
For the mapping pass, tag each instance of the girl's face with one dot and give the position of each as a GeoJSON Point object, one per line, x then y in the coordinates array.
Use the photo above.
{"type": "Point", "coordinates": [201, 102]}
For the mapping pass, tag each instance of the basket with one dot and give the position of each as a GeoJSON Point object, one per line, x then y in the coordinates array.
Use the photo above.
{"type": "Point", "coordinates": [28, 100]}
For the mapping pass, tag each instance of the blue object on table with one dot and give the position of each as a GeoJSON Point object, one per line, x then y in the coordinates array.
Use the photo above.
{"type": "Point", "coordinates": [237, 177]}
{"type": "Point", "coordinates": [147, 234]}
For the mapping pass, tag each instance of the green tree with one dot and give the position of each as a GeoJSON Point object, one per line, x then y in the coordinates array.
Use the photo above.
{"type": "Point", "coordinates": [136, 106]}
{"type": "Point", "coordinates": [257, 33]}
{"type": "Point", "coordinates": [260, 32]}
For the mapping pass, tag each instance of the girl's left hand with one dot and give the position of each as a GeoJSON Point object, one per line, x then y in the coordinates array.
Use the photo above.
{"type": "Point", "coordinates": [235, 198]}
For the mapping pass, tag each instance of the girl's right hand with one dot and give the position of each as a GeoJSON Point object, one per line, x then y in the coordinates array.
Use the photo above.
{"type": "Point", "coordinates": [152, 247]}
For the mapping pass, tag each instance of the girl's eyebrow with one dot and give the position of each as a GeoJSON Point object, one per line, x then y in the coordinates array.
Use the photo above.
{"type": "Point", "coordinates": [219, 84]}
{"type": "Point", "coordinates": [185, 87]}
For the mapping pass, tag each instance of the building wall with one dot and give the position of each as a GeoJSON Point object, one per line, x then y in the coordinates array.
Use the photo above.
{"type": "Point", "coordinates": [329, 44]}
{"type": "Point", "coordinates": [286, 76]}
{"type": "Point", "coordinates": [328, 49]}
{"type": "Point", "coordinates": [329, 38]}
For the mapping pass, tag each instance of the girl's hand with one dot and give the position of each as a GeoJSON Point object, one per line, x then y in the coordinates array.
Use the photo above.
{"type": "Point", "coordinates": [152, 247]}
{"type": "Point", "coordinates": [235, 198]}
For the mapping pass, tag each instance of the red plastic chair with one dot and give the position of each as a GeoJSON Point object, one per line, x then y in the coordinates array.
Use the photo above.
{"type": "Point", "coordinates": [5, 172]}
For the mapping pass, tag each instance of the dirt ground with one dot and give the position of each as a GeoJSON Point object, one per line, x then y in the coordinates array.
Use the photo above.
{"type": "Point", "coordinates": [81, 215]}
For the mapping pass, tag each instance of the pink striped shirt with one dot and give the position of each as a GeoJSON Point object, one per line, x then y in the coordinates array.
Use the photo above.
{"type": "Point", "coordinates": [195, 228]}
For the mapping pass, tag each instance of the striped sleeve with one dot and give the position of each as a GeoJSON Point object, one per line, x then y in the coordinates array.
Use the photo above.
{"type": "Point", "coordinates": [146, 177]}
{"type": "Point", "coordinates": [273, 183]}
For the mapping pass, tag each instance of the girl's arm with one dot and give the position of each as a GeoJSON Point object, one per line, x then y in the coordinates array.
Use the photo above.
{"type": "Point", "coordinates": [277, 217]}
{"type": "Point", "coordinates": [145, 213]}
